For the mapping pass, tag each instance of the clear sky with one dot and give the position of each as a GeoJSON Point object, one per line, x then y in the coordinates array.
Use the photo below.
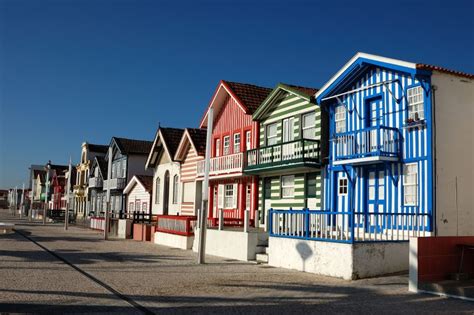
{"type": "Point", "coordinates": [74, 71]}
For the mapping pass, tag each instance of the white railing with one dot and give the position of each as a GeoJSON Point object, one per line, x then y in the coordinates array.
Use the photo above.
{"type": "Point", "coordinates": [297, 150]}
{"type": "Point", "coordinates": [373, 141]}
{"type": "Point", "coordinates": [115, 183]}
{"type": "Point", "coordinates": [348, 227]}
{"type": "Point", "coordinates": [95, 182]}
{"type": "Point", "coordinates": [226, 164]}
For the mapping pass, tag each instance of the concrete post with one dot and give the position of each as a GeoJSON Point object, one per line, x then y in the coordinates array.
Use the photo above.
{"type": "Point", "coordinates": [221, 219]}
{"type": "Point", "coordinates": [246, 220]}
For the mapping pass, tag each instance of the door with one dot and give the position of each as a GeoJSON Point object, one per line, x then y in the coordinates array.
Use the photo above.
{"type": "Point", "coordinates": [166, 193]}
{"type": "Point", "coordinates": [288, 136]}
{"type": "Point", "coordinates": [267, 201]}
{"type": "Point", "coordinates": [310, 186]}
{"type": "Point", "coordinates": [375, 197]}
{"type": "Point", "coordinates": [375, 119]}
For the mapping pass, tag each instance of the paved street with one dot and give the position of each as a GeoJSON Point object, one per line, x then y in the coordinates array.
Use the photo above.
{"type": "Point", "coordinates": [44, 269]}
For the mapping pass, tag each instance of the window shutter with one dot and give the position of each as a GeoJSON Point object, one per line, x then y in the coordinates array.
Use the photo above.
{"type": "Point", "coordinates": [234, 201]}
{"type": "Point", "coordinates": [220, 196]}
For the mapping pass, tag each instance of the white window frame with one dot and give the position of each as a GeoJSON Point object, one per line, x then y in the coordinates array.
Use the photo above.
{"type": "Point", "coordinates": [307, 129]}
{"type": "Point", "coordinates": [248, 140]}
{"type": "Point", "coordinates": [230, 196]}
{"type": "Point", "coordinates": [218, 147]}
{"type": "Point", "coordinates": [416, 104]}
{"type": "Point", "coordinates": [288, 186]}
{"type": "Point", "coordinates": [175, 189]}
{"type": "Point", "coordinates": [340, 119]}
{"type": "Point", "coordinates": [236, 142]}
{"type": "Point", "coordinates": [271, 138]}
{"type": "Point", "coordinates": [342, 187]}
{"type": "Point", "coordinates": [226, 145]}
{"type": "Point", "coordinates": [407, 184]}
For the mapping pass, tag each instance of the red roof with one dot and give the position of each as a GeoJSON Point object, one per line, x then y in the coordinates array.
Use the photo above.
{"type": "Point", "coordinates": [444, 70]}
{"type": "Point", "coordinates": [249, 95]}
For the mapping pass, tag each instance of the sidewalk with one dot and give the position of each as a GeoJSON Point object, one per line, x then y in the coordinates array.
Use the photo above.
{"type": "Point", "coordinates": [163, 279]}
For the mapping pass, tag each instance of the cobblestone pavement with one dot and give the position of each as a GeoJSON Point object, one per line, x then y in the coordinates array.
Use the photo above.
{"type": "Point", "coordinates": [44, 269]}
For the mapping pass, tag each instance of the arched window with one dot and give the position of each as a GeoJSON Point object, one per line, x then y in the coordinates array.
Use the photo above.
{"type": "Point", "coordinates": [175, 189]}
{"type": "Point", "coordinates": [157, 190]}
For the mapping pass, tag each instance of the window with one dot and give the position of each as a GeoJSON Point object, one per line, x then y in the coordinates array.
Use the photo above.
{"type": "Point", "coordinates": [130, 207]}
{"type": "Point", "coordinates": [137, 205]}
{"type": "Point", "coordinates": [309, 126]}
{"type": "Point", "coordinates": [342, 186]}
{"type": "Point", "coordinates": [416, 109]}
{"type": "Point", "coordinates": [157, 190]}
{"type": "Point", "coordinates": [311, 185]}
{"type": "Point", "coordinates": [272, 134]}
{"type": "Point", "coordinates": [218, 147]}
{"type": "Point", "coordinates": [340, 119]}
{"type": "Point", "coordinates": [188, 192]}
{"type": "Point", "coordinates": [236, 142]}
{"type": "Point", "coordinates": [288, 186]}
{"type": "Point", "coordinates": [145, 207]}
{"type": "Point", "coordinates": [226, 145]}
{"type": "Point", "coordinates": [248, 140]}
{"type": "Point", "coordinates": [175, 189]}
{"type": "Point", "coordinates": [410, 184]}
{"type": "Point", "coordinates": [229, 196]}
{"type": "Point", "coordinates": [288, 129]}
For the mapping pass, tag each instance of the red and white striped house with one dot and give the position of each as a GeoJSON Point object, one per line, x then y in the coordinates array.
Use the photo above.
{"type": "Point", "coordinates": [233, 133]}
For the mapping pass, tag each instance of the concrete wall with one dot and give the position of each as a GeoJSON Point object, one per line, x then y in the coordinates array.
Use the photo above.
{"type": "Point", "coordinates": [230, 244]}
{"type": "Point", "coordinates": [172, 240]}
{"type": "Point", "coordinates": [454, 114]}
{"type": "Point", "coordinates": [339, 260]}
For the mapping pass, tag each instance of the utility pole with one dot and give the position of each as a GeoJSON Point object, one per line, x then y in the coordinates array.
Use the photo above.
{"type": "Point", "coordinates": [68, 188]}
{"type": "Point", "coordinates": [205, 192]}
{"type": "Point", "coordinates": [30, 213]}
{"type": "Point", "coordinates": [107, 206]}
{"type": "Point", "coordinates": [22, 204]}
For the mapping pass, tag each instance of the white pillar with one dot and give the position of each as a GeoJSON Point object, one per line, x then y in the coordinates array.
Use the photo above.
{"type": "Point", "coordinates": [221, 219]}
{"type": "Point", "coordinates": [246, 220]}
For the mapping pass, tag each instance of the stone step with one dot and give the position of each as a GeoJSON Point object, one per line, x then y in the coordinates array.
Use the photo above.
{"type": "Point", "coordinates": [262, 258]}
{"type": "Point", "coordinates": [261, 249]}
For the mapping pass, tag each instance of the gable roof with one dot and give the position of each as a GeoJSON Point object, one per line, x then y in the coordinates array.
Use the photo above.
{"type": "Point", "coordinates": [197, 139]}
{"type": "Point", "coordinates": [247, 96]}
{"type": "Point", "coordinates": [98, 148]}
{"type": "Point", "coordinates": [132, 146]}
{"type": "Point", "coordinates": [145, 181]}
{"type": "Point", "coordinates": [358, 61]}
{"type": "Point", "coordinates": [102, 164]}
{"type": "Point", "coordinates": [170, 137]}
{"type": "Point", "coordinates": [279, 91]}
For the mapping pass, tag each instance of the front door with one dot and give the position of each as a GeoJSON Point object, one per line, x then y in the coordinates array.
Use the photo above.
{"type": "Point", "coordinates": [375, 196]}
{"type": "Point", "coordinates": [375, 119]}
{"type": "Point", "coordinates": [267, 201]}
{"type": "Point", "coordinates": [166, 193]}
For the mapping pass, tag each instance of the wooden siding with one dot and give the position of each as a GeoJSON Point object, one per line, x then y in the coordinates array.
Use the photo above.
{"type": "Point", "coordinates": [188, 174]}
{"type": "Point", "coordinates": [138, 193]}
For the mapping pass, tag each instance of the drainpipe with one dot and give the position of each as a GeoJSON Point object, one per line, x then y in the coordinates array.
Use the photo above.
{"type": "Point", "coordinates": [434, 156]}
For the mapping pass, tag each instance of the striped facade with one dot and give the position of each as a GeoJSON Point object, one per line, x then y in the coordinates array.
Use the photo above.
{"type": "Point", "coordinates": [286, 104]}
{"type": "Point", "coordinates": [378, 186]}
{"type": "Point", "coordinates": [189, 187]}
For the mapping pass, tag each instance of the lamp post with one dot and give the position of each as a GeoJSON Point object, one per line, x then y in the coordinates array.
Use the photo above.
{"type": "Point", "coordinates": [22, 204]}
{"type": "Point", "coordinates": [47, 168]}
{"type": "Point", "coordinates": [68, 188]}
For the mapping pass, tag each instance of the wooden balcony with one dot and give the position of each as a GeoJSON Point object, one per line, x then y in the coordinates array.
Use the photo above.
{"type": "Point", "coordinates": [95, 182]}
{"type": "Point", "coordinates": [369, 145]}
{"type": "Point", "coordinates": [222, 165]}
{"type": "Point", "coordinates": [297, 154]}
{"type": "Point", "coordinates": [115, 183]}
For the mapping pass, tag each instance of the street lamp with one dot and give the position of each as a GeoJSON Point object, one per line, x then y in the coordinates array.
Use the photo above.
{"type": "Point", "coordinates": [47, 168]}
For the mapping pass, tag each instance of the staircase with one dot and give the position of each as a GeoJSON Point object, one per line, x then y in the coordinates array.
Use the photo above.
{"type": "Point", "coordinates": [262, 250]}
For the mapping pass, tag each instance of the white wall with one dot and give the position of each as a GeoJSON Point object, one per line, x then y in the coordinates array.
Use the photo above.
{"type": "Point", "coordinates": [174, 168]}
{"type": "Point", "coordinates": [138, 193]}
{"type": "Point", "coordinates": [454, 112]}
{"type": "Point", "coordinates": [175, 241]}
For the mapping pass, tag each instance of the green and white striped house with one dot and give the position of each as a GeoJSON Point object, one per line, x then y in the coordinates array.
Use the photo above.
{"type": "Point", "coordinates": [289, 159]}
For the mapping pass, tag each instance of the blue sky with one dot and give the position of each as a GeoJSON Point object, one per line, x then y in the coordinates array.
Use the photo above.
{"type": "Point", "coordinates": [74, 71]}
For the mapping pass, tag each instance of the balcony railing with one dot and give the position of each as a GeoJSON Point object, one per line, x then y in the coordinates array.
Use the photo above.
{"type": "Point", "coordinates": [220, 165]}
{"type": "Point", "coordinates": [115, 183]}
{"type": "Point", "coordinates": [95, 182]}
{"type": "Point", "coordinates": [348, 227]}
{"type": "Point", "coordinates": [374, 141]}
{"type": "Point", "coordinates": [303, 150]}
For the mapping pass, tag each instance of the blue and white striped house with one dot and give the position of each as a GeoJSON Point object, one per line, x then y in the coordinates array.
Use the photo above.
{"type": "Point", "coordinates": [380, 160]}
{"type": "Point", "coordinates": [398, 167]}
